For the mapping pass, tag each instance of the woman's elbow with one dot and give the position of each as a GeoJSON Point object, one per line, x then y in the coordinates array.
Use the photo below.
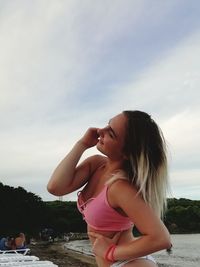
{"type": "Point", "coordinates": [57, 189]}
{"type": "Point", "coordinates": [165, 242]}
{"type": "Point", "coordinates": [160, 240]}
{"type": "Point", "coordinates": [52, 189]}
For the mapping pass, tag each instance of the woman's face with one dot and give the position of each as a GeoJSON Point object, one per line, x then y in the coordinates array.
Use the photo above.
{"type": "Point", "coordinates": [111, 138]}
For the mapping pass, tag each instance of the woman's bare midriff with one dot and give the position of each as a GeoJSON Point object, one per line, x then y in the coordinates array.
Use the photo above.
{"type": "Point", "coordinates": [125, 237]}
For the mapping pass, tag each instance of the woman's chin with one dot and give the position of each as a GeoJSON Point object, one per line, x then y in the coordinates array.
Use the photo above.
{"type": "Point", "coordinates": [99, 148]}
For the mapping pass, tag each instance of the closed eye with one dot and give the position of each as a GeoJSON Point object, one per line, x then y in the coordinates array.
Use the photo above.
{"type": "Point", "coordinates": [111, 130]}
{"type": "Point", "coordinates": [112, 133]}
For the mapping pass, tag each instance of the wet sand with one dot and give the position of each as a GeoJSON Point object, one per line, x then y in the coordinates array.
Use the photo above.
{"type": "Point", "coordinates": [61, 256]}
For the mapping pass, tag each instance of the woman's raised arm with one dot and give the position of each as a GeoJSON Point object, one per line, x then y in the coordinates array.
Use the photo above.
{"type": "Point", "coordinates": [68, 177]}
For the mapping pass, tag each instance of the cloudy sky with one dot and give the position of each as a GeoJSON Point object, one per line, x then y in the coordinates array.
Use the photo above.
{"type": "Point", "coordinates": [66, 65]}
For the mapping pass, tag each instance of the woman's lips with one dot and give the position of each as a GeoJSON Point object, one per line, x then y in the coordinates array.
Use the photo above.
{"type": "Point", "coordinates": [100, 141]}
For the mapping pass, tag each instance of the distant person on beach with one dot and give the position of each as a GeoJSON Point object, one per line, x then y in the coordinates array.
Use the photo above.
{"type": "Point", "coordinates": [125, 186]}
{"type": "Point", "coordinates": [6, 243]}
{"type": "Point", "coordinates": [20, 241]}
{"type": "Point", "coordinates": [3, 243]}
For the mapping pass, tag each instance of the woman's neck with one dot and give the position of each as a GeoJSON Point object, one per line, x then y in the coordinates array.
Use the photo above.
{"type": "Point", "coordinates": [111, 166]}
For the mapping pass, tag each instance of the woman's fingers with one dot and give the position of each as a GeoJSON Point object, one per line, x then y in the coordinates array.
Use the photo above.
{"type": "Point", "coordinates": [116, 238]}
{"type": "Point", "coordinates": [94, 235]}
{"type": "Point", "coordinates": [90, 138]}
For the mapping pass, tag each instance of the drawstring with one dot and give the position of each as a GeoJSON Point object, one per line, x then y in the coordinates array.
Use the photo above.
{"type": "Point", "coordinates": [83, 205]}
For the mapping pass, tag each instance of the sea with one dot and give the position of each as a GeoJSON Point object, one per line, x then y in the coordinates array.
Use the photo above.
{"type": "Point", "coordinates": [185, 252]}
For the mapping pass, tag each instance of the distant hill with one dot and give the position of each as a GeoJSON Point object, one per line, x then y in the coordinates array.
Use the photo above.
{"type": "Point", "coordinates": [183, 216]}
{"type": "Point", "coordinates": [23, 211]}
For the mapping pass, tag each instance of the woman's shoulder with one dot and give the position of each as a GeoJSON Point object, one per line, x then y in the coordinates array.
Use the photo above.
{"type": "Point", "coordinates": [121, 187]}
{"type": "Point", "coordinates": [96, 161]}
{"type": "Point", "coordinates": [98, 157]}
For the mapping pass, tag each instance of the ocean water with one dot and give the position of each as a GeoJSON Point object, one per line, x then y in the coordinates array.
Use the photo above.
{"type": "Point", "coordinates": [186, 251]}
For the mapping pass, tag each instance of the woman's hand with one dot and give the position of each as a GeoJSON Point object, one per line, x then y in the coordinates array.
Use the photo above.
{"type": "Point", "coordinates": [90, 138]}
{"type": "Point", "coordinates": [102, 243]}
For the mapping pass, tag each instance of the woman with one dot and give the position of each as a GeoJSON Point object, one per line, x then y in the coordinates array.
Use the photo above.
{"type": "Point", "coordinates": [125, 187]}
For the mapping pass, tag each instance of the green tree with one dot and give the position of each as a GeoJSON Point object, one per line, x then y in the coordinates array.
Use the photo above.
{"type": "Point", "coordinates": [20, 211]}
{"type": "Point", "coordinates": [183, 216]}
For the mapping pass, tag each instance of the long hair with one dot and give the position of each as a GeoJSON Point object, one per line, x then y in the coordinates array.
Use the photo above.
{"type": "Point", "coordinates": [146, 163]}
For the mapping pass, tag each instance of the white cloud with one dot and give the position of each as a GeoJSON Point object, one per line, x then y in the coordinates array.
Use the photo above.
{"type": "Point", "coordinates": [182, 134]}
{"type": "Point", "coordinates": [67, 65]}
{"type": "Point", "coordinates": [169, 85]}
{"type": "Point", "coordinates": [169, 90]}
{"type": "Point", "coordinates": [185, 183]}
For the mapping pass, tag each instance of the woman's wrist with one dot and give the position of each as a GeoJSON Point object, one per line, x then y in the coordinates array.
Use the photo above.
{"type": "Point", "coordinates": [82, 145]}
{"type": "Point", "coordinates": [109, 255]}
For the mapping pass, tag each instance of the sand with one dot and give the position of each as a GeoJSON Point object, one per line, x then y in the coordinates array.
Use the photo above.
{"type": "Point", "coordinates": [61, 256]}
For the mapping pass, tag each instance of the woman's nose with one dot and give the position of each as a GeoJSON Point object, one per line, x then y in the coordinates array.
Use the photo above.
{"type": "Point", "coordinates": [101, 131]}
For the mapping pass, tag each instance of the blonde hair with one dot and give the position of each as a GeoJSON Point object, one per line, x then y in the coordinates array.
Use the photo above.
{"type": "Point", "coordinates": [117, 175]}
{"type": "Point", "coordinates": [146, 164]}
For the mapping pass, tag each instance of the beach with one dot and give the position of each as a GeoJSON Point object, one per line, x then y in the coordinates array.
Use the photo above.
{"type": "Point", "coordinates": [77, 253]}
{"type": "Point", "coordinates": [61, 256]}
{"type": "Point", "coordinates": [185, 251]}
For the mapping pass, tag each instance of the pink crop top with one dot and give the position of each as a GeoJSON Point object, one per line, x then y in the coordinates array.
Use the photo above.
{"type": "Point", "coordinates": [98, 213]}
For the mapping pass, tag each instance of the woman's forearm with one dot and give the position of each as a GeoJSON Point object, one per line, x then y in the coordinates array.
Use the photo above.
{"type": "Point", "coordinates": [63, 175]}
{"type": "Point", "coordinates": [140, 247]}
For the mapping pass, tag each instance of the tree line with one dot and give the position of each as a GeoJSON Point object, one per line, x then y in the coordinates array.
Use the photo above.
{"type": "Point", "coordinates": [23, 211]}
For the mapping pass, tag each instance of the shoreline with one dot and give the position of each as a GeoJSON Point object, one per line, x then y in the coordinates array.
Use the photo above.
{"type": "Point", "coordinates": [63, 257]}
{"type": "Point", "coordinates": [185, 253]}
